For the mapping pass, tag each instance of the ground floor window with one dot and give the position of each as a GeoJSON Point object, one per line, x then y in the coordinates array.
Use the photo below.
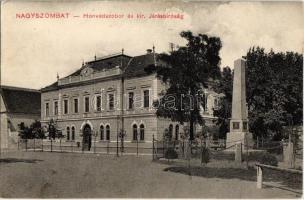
{"type": "Point", "coordinates": [107, 132]}
{"type": "Point", "coordinates": [142, 132]}
{"type": "Point", "coordinates": [73, 133]}
{"type": "Point", "coordinates": [68, 133]}
{"type": "Point", "coordinates": [176, 132]}
{"type": "Point", "coordinates": [170, 132]}
{"type": "Point", "coordinates": [134, 132]}
{"type": "Point", "coordinates": [101, 132]}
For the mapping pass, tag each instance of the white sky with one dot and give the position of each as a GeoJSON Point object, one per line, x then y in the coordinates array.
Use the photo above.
{"type": "Point", "coordinates": [34, 50]}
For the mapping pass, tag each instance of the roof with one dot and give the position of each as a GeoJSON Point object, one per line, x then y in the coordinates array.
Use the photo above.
{"type": "Point", "coordinates": [21, 100]}
{"type": "Point", "coordinates": [132, 66]}
{"type": "Point", "coordinates": [137, 65]}
{"type": "Point", "coordinates": [105, 63]}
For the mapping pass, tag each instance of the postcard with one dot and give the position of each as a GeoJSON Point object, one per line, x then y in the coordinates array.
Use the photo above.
{"type": "Point", "coordinates": [151, 99]}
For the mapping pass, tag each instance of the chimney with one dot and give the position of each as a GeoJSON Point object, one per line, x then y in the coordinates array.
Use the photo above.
{"type": "Point", "coordinates": [149, 51]}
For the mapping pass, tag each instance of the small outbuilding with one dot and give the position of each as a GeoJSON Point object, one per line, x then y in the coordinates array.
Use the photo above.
{"type": "Point", "coordinates": [17, 105]}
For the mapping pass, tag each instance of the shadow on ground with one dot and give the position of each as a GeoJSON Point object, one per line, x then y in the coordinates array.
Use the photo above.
{"type": "Point", "coordinates": [208, 172]}
{"type": "Point", "coordinates": [17, 160]}
{"type": "Point", "coordinates": [285, 180]}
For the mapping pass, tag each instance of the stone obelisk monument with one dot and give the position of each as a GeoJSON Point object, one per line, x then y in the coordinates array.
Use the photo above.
{"type": "Point", "coordinates": [239, 119]}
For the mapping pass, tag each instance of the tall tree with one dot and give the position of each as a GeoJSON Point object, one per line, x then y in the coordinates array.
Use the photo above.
{"type": "Point", "coordinates": [274, 91]}
{"type": "Point", "coordinates": [223, 114]}
{"type": "Point", "coordinates": [186, 71]}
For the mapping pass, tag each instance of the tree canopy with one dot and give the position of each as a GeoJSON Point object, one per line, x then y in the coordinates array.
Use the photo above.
{"type": "Point", "coordinates": [274, 91]}
{"type": "Point", "coordinates": [186, 71]}
{"type": "Point", "coordinates": [223, 114]}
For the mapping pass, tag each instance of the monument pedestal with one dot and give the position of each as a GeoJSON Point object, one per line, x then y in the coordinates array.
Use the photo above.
{"type": "Point", "coordinates": [239, 137]}
{"type": "Point", "coordinates": [239, 134]}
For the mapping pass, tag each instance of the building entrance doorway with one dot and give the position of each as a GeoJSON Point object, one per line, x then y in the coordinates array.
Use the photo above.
{"type": "Point", "coordinates": [87, 138]}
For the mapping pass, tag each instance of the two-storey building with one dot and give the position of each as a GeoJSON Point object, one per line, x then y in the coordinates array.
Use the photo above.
{"type": "Point", "coordinates": [108, 95]}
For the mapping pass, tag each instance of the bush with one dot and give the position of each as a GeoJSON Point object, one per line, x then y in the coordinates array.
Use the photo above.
{"type": "Point", "coordinates": [171, 154]}
{"type": "Point", "coordinates": [263, 158]}
{"type": "Point", "coordinates": [205, 155]}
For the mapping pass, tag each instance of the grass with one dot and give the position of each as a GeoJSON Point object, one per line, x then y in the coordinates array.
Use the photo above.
{"type": "Point", "coordinates": [68, 175]}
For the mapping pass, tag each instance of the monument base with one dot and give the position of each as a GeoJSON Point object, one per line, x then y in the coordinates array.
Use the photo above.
{"type": "Point", "coordinates": [239, 137]}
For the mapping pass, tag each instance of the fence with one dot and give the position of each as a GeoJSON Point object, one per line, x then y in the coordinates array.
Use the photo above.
{"type": "Point", "coordinates": [201, 150]}
{"type": "Point", "coordinates": [105, 147]}
{"type": "Point", "coordinates": [185, 149]}
{"type": "Point", "coordinates": [270, 152]}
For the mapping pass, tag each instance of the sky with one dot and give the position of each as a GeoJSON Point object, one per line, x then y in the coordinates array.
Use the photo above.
{"type": "Point", "coordinates": [35, 50]}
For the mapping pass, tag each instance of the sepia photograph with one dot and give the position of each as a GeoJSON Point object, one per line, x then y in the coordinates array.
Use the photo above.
{"type": "Point", "coordinates": [151, 99]}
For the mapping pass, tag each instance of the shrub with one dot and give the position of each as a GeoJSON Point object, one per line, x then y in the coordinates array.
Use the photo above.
{"type": "Point", "coordinates": [205, 155]}
{"type": "Point", "coordinates": [263, 158]}
{"type": "Point", "coordinates": [171, 154]}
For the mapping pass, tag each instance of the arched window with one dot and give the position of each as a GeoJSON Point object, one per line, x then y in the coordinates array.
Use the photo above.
{"type": "Point", "coordinates": [68, 133]}
{"type": "Point", "coordinates": [170, 131]}
{"type": "Point", "coordinates": [176, 132]}
{"type": "Point", "coordinates": [142, 132]}
{"type": "Point", "coordinates": [101, 132]}
{"type": "Point", "coordinates": [134, 132]}
{"type": "Point", "coordinates": [107, 132]}
{"type": "Point", "coordinates": [73, 133]}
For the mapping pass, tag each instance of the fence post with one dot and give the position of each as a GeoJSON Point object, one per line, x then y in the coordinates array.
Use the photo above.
{"type": "Point", "coordinates": [95, 144]}
{"type": "Point", "coordinates": [18, 143]}
{"type": "Point", "coordinates": [259, 177]}
{"type": "Point", "coordinates": [153, 147]}
{"type": "Point", "coordinates": [42, 145]}
{"type": "Point", "coordinates": [201, 151]}
{"type": "Point", "coordinates": [108, 147]}
{"type": "Point", "coordinates": [137, 146]}
{"type": "Point", "coordinates": [117, 154]}
{"type": "Point", "coordinates": [257, 142]}
{"type": "Point", "coordinates": [51, 145]}
{"type": "Point", "coordinates": [25, 144]}
{"type": "Point", "coordinates": [82, 146]}
{"type": "Point", "coordinates": [34, 145]}
{"type": "Point", "coordinates": [163, 148]}
{"type": "Point", "coordinates": [183, 148]}
{"type": "Point", "coordinates": [238, 152]}
{"type": "Point", "coordinates": [71, 146]}
{"type": "Point", "coordinates": [60, 145]}
{"type": "Point", "coordinates": [167, 150]}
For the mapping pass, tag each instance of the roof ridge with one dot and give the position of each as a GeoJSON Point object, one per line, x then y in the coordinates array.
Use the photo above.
{"type": "Point", "coordinates": [107, 57]}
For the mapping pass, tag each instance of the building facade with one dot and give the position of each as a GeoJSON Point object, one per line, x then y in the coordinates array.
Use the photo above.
{"type": "Point", "coordinates": [108, 96]}
{"type": "Point", "coordinates": [17, 105]}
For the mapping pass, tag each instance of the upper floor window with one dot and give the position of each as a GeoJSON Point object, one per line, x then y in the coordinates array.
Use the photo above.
{"type": "Point", "coordinates": [111, 101]}
{"type": "Point", "coordinates": [47, 109]}
{"type": "Point", "coordinates": [146, 98]}
{"type": "Point", "coordinates": [75, 105]}
{"type": "Point", "coordinates": [98, 103]}
{"type": "Point", "coordinates": [131, 100]}
{"type": "Point", "coordinates": [65, 106]}
{"type": "Point", "coordinates": [87, 104]}
{"type": "Point", "coordinates": [56, 108]}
